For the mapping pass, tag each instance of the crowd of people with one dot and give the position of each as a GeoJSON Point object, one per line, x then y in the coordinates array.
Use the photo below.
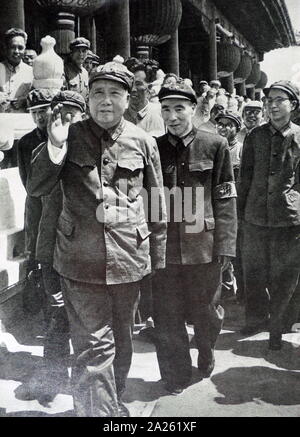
{"type": "Point", "coordinates": [146, 197]}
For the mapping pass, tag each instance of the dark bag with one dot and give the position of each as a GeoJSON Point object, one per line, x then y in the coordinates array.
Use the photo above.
{"type": "Point", "coordinates": [33, 292]}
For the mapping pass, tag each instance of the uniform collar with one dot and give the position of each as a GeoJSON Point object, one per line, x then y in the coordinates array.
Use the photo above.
{"type": "Point", "coordinates": [114, 132]}
{"type": "Point", "coordinates": [187, 139]}
{"type": "Point", "coordinates": [284, 131]}
{"type": "Point", "coordinates": [11, 68]}
{"type": "Point", "coordinates": [42, 136]}
{"type": "Point", "coordinates": [233, 143]}
{"type": "Point", "coordinates": [143, 112]}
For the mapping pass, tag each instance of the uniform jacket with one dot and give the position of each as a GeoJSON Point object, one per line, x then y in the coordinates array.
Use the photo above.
{"type": "Point", "coordinates": [41, 214]}
{"type": "Point", "coordinates": [76, 79]}
{"type": "Point", "coordinates": [103, 235]}
{"type": "Point", "coordinates": [207, 165]}
{"type": "Point", "coordinates": [33, 206]}
{"type": "Point", "coordinates": [269, 179]}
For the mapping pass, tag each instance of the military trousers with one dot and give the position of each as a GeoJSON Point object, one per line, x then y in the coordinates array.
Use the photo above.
{"type": "Point", "coordinates": [178, 290]}
{"type": "Point", "coordinates": [271, 266]}
{"type": "Point", "coordinates": [101, 319]}
{"type": "Point", "coordinates": [56, 344]}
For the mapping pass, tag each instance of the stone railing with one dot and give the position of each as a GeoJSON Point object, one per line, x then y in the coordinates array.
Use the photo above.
{"type": "Point", "coordinates": [12, 205]}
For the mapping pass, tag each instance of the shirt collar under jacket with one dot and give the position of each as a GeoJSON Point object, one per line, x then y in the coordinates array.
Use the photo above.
{"type": "Point", "coordinates": [187, 139]}
{"type": "Point", "coordinates": [114, 132]}
{"type": "Point", "coordinates": [284, 131]}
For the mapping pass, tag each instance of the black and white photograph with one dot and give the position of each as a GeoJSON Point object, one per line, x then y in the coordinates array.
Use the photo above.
{"type": "Point", "coordinates": [149, 211]}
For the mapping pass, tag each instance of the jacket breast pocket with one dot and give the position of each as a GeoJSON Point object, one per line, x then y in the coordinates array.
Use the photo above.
{"type": "Point", "coordinates": [80, 165]}
{"type": "Point", "coordinates": [169, 175]}
{"type": "Point", "coordinates": [66, 227]}
{"type": "Point", "coordinates": [129, 176]}
{"type": "Point", "coordinates": [201, 171]}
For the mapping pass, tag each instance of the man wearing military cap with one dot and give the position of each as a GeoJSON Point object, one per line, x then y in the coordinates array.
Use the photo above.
{"type": "Point", "coordinates": [91, 61]}
{"type": "Point", "coordinates": [76, 76]}
{"type": "Point", "coordinates": [252, 114]}
{"type": "Point", "coordinates": [48, 378]}
{"type": "Point", "coordinates": [201, 236]}
{"type": "Point", "coordinates": [269, 206]}
{"type": "Point", "coordinates": [38, 104]}
{"type": "Point", "coordinates": [104, 244]}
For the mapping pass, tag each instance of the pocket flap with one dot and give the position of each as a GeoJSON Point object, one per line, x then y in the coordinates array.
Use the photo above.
{"type": "Point", "coordinates": [131, 164]}
{"type": "Point", "coordinates": [82, 161]}
{"type": "Point", "coordinates": [65, 226]}
{"type": "Point", "coordinates": [200, 165]}
{"type": "Point", "coordinates": [209, 223]}
{"type": "Point", "coordinates": [143, 231]}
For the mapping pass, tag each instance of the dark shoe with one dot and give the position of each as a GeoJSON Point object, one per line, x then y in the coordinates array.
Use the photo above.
{"type": "Point", "coordinates": [206, 371]}
{"type": "Point", "coordinates": [254, 329]}
{"type": "Point", "coordinates": [175, 391]}
{"type": "Point", "coordinates": [123, 410]}
{"type": "Point", "coordinates": [147, 334]}
{"type": "Point", "coordinates": [275, 343]}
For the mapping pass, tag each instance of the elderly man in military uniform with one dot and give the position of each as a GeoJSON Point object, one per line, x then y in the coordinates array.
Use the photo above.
{"type": "Point", "coordinates": [269, 206]}
{"type": "Point", "coordinates": [201, 236]}
{"type": "Point", "coordinates": [104, 244]}
{"type": "Point", "coordinates": [76, 76]}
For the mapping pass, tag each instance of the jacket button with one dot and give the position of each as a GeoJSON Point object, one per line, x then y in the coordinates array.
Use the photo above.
{"type": "Point", "coordinates": [105, 161]}
{"type": "Point", "coordinates": [272, 173]}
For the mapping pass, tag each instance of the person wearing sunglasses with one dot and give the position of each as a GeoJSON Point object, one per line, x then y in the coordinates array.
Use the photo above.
{"type": "Point", "coordinates": [269, 207]}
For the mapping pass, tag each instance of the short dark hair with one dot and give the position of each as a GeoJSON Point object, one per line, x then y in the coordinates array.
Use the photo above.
{"type": "Point", "coordinates": [11, 33]}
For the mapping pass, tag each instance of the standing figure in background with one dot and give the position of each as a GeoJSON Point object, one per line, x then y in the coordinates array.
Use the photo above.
{"type": "Point", "coordinates": [16, 77]}
{"type": "Point", "coordinates": [91, 61]}
{"type": "Point", "coordinates": [228, 126]}
{"type": "Point", "coordinates": [269, 206]}
{"type": "Point", "coordinates": [211, 124]}
{"type": "Point", "coordinates": [252, 117]}
{"type": "Point", "coordinates": [141, 111]}
{"type": "Point", "coordinates": [76, 76]}
{"type": "Point", "coordinates": [29, 56]}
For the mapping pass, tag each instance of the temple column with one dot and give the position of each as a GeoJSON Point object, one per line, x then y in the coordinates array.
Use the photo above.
{"type": "Point", "coordinates": [213, 50]}
{"type": "Point", "coordinates": [229, 83]}
{"type": "Point", "coordinates": [241, 89]}
{"type": "Point", "coordinates": [64, 32]}
{"type": "Point", "coordinates": [88, 30]}
{"type": "Point", "coordinates": [251, 92]}
{"type": "Point", "coordinates": [12, 15]}
{"type": "Point", "coordinates": [169, 55]}
{"type": "Point", "coordinates": [120, 29]}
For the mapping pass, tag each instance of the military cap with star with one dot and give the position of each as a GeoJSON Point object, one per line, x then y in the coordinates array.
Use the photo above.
{"type": "Point", "coordinates": [288, 87]}
{"type": "Point", "coordinates": [180, 90]}
{"type": "Point", "coordinates": [114, 71]}
{"type": "Point", "coordinates": [231, 116]}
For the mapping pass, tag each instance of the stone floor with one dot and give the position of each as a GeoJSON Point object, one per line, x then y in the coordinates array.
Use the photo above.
{"type": "Point", "coordinates": [248, 380]}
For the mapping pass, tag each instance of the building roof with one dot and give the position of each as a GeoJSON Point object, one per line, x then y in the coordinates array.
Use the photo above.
{"type": "Point", "coordinates": [265, 23]}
